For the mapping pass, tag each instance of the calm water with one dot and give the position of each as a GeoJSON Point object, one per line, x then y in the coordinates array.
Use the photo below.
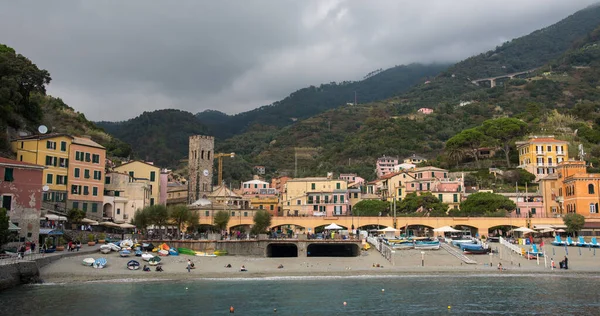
{"type": "Point", "coordinates": [404, 295]}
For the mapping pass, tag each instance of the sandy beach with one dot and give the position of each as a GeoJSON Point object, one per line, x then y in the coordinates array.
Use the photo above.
{"type": "Point", "coordinates": [70, 269]}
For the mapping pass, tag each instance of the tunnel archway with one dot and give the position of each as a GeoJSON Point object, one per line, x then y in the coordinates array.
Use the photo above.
{"type": "Point", "coordinates": [277, 250]}
{"type": "Point", "coordinates": [332, 250]}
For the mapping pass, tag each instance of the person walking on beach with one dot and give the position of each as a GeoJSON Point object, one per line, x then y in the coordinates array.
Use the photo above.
{"type": "Point", "coordinates": [189, 265]}
{"type": "Point", "coordinates": [552, 264]}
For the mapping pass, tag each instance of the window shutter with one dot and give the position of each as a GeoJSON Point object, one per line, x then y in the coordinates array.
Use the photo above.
{"type": "Point", "coordinates": [9, 175]}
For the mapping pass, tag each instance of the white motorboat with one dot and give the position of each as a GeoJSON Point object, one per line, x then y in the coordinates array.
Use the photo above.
{"type": "Point", "coordinates": [147, 256]}
{"type": "Point", "coordinates": [88, 261]}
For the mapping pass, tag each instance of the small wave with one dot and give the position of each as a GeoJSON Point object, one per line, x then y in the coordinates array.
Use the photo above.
{"type": "Point", "coordinates": [47, 284]}
{"type": "Point", "coordinates": [128, 280]}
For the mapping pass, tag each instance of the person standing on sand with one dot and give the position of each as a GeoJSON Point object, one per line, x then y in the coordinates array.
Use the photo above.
{"type": "Point", "coordinates": [552, 265]}
{"type": "Point", "coordinates": [189, 266]}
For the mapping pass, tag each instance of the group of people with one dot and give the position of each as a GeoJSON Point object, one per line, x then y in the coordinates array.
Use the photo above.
{"type": "Point", "coordinates": [563, 264]}
{"type": "Point", "coordinates": [190, 265]}
{"type": "Point", "coordinates": [158, 268]}
{"type": "Point", "coordinates": [72, 246]}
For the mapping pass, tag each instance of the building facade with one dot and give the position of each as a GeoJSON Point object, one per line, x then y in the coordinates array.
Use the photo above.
{"type": "Point", "coordinates": [144, 171]}
{"type": "Point", "coordinates": [124, 195]}
{"type": "Point", "coordinates": [279, 183]}
{"type": "Point", "coordinates": [315, 197]}
{"type": "Point", "coordinates": [86, 177]}
{"type": "Point", "coordinates": [21, 196]}
{"type": "Point", "coordinates": [177, 193]}
{"type": "Point", "coordinates": [414, 159]}
{"type": "Point", "coordinates": [540, 155]}
{"type": "Point", "coordinates": [385, 165]}
{"type": "Point", "coordinates": [200, 166]}
{"type": "Point", "coordinates": [580, 189]}
{"type": "Point", "coordinates": [51, 151]}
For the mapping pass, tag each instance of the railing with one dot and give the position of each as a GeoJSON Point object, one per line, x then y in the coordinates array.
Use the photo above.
{"type": "Point", "coordinates": [384, 249]}
{"type": "Point", "coordinates": [512, 247]}
{"type": "Point", "coordinates": [451, 250]}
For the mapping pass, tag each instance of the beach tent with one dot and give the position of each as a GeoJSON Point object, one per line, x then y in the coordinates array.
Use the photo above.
{"type": "Point", "coordinates": [333, 226]}
{"type": "Point", "coordinates": [388, 231]}
{"type": "Point", "coordinates": [446, 229]}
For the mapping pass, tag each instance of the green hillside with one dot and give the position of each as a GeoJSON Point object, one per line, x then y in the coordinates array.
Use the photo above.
{"type": "Point", "coordinates": [24, 106]}
{"type": "Point", "coordinates": [160, 136]}
{"type": "Point", "coordinates": [306, 102]}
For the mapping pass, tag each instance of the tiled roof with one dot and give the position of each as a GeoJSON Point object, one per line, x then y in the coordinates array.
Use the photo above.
{"type": "Point", "coordinates": [86, 142]}
{"type": "Point", "coordinates": [546, 140]}
{"type": "Point", "coordinates": [6, 161]}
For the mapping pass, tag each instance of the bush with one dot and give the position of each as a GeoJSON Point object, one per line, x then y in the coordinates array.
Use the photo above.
{"type": "Point", "coordinates": [90, 237]}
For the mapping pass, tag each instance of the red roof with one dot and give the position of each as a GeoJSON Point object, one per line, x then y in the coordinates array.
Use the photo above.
{"type": "Point", "coordinates": [18, 163]}
{"type": "Point", "coordinates": [389, 175]}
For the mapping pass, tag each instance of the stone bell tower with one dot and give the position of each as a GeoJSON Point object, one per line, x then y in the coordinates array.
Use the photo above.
{"type": "Point", "coordinates": [200, 166]}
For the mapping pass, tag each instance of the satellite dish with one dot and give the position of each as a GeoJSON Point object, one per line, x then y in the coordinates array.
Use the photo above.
{"type": "Point", "coordinates": [45, 188]}
{"type": "Point", "coordinates": [43, 129]}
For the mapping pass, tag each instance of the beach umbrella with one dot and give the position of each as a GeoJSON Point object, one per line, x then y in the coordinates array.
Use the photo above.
{"type": "Point", "coordinates": [446, 229]}
{"type": "Point", "coordinates": [524, 230]}
{"type": "Point", "coordinates": [560, 230]}
{"type": "Point", "coordinates": [127, 225]}
{"type": "Point", "coordinates": [333, 226]}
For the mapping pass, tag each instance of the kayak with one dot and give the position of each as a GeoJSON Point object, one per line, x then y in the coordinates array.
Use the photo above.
{"type": "Point", "coordinates": [220, 252]}
{"type": "Point", "coordinates": [204, 254]}
{"type": "Point", "coordinates": [186, 251]}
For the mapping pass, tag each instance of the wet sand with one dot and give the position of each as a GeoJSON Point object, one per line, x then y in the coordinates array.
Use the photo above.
{"type": "Point", "coordinates": [71, 269]}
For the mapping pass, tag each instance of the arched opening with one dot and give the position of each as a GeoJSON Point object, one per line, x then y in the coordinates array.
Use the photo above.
{"type": "Point", "coordinates": [107, 210]}
{"type": "Point", "coordinates": [207, 228]}
{"type": "Point", "coordinates": [416, 230]}
{"type": "Point", "coordinates": [333, 250]}
{"type": "Point", "coordinates": [494, 233]}
{"type": "Point", "coordinates": [468, 231]}
{"type": "Point", "coordinates": [286, 231]}
{"type": "Point", "coordinates": [282, 251]}
{"type": "Point", "coordinates": [202, 154]}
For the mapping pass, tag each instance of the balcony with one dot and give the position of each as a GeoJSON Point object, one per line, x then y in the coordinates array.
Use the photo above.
{"type": "Point", "coordinates": [560, 153]}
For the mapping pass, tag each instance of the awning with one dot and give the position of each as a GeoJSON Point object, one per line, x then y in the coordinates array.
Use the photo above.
{"type": "Point", "coordinates": [333, 226]}
{"type": "Point", "coordinates": [109, 224]}
{"type": "Point", "coordinates": [52, 217]}
{"type": "Point", "coordinates": [446, 229]}
{"type": "Point", "coordinates": [50, 232]}
{"type": "Point", "coordinates": [89, 221]}
{"type": "Point", "coordinates": [12, 227]}
{"type": "Point", "coordinates": [388, 229]}
{"type": "Point", "coordinates": [127, 225]}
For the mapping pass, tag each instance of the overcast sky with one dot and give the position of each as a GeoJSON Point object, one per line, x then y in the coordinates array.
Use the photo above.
{"type": "Point", "coordinates": [112, 60]}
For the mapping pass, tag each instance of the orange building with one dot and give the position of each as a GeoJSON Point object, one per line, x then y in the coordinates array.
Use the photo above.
{"type": "Point", "coordinates": [86, 176]}
{"type": "Point", "coordinates": [580, 190]}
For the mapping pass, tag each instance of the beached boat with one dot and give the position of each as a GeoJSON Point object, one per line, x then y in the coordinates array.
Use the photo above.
{"type": "Point", "coordinates": [138, 253]}
{"type": "Point", "coordinates": [186, 251]}
{"type": "Point", "coordinates": [474, 249]}
{"type": "Point", "coordinates": [147, 247]}
{"type": "Point", "coordinates": [133, 265]}
{"type": "Point", "coordinates": [406, 244]}
{"type": "Point", "coordinates": [113, 247]}
{"type": "Point", "coordinates": [458, 242]}
{"type": "Point", "coordinates": [173, 252]}
{"type": "Point", "coordinates": [163, 253]}
{"type": "Point", "coordinates": [128, 243]}
{"type": "Point", "coordinates": [100, 263]}
{"type": "Point", "coordinates": [427, 244]}
{"type": "Point", "coordinates": [124, 253]}
{"type": "Point", "coordinates": [154, 261]}
{"type": "Point", "coordinates": [88, 261]}
{"type": "Point", "coordinates": [105, 249]}
{"type": "Point", "coordinates": [147, 256]}
{"type": "Point", "coordinates": [220, 252]}
{"type": "Point", "coordinates": [204, 254]}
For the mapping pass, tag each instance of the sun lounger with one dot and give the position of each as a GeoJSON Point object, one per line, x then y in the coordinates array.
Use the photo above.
{"type": "Point", "coordinates": [557, 241]}
{"type": "Point", "coordinates": [570, 242]}
{"type": "Point", "coordinates": [594, 243]}
{"type": "Point", "coordinates": [581, 242]}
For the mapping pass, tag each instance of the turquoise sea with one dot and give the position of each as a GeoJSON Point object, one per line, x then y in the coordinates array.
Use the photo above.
{"type": "Point", "coordinates": [478, 294]}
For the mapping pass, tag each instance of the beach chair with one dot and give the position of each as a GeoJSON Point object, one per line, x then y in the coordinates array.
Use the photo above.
{"type": "Point", "coordinates": [570, 241]}
{"type": "Point", "coordinates": [594, 243]}
{"type": "Point", "coordinates": [557, 241]}
{"type": "Point", "coordinates": [581, 242]}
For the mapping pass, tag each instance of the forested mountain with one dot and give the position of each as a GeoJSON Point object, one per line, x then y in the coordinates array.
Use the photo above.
{"type": "Point", "coordinates": [561, 97]}
{"type": "Point", "coordinates": [160, 136]}
{"type": "Point", "coordinates": [24, 106]}
{"type": "Point", "coordinates": [306, 102]}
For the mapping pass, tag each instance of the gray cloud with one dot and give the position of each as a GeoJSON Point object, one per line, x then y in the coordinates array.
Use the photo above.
{"type": "Point", "coordinates": [113, 60]}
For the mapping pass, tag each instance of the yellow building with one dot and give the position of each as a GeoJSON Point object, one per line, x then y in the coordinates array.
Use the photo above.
{"type": "Point", "coordinates": [143, 170]}
{"type": "Point", "coordinates": [550, 188]}
{"type": "Point", "coordinates": [315, 197]}
{"type": "Point", "coordinates": [265, 202]}
{"type": "Point", "coordinates": [540, 155]}
{"type": "Point", "coordinates": [52, 151]}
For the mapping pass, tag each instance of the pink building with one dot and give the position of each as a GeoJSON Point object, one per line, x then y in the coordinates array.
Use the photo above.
{"type": "Point", "coordinates": [425, 110]}
{"type": "Point", "coordinates": [257, 187]}
{"type": "Point", "coordinates": [528, 205]}
{"type": "Point", "coordinates": [21, 194]}
{"type": "Point", "coordinates": [385, 165]}
{"type": "Point", "coordinates": [352, 179]}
